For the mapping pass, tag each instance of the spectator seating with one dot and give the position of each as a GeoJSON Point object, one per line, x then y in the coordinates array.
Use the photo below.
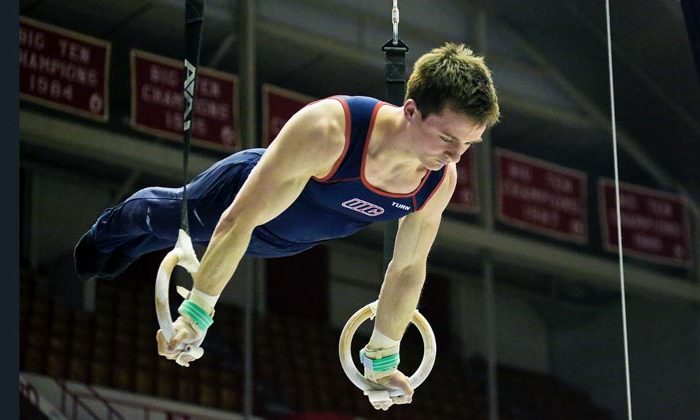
{"type": "Point", "coordinates": [296, 367]}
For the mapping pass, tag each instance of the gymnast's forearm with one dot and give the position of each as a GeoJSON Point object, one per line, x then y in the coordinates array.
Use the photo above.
{"type": "Point", "coordinates": [226, 248]}
{"type": "Point", "coordinates": [398, 300]}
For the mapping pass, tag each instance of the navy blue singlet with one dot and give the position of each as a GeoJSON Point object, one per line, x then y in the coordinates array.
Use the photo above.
{"type": "Point", "coordinates": [344, 201]}
{"type": "Point", "coordinates": [336, 206]}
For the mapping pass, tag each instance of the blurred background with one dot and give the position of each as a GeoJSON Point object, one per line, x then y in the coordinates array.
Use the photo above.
{"type": "Point", "coordinates": [523, 283]}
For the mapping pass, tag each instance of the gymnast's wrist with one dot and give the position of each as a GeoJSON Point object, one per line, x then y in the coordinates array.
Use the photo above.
{"type": "Point", "coordinates": [381, 345]}
{"type": "Point", "coordinates": [195, 315]}
{"type": "Point", "coordinates": [203, 300]}
{"type": "Point", "coordinates": [378, 364]}
{"type": "Point", "coordinates": [198, 308]}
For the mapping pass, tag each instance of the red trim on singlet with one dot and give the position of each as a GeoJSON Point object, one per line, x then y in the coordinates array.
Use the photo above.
{"type": "Point", "coordinates": [348, 127]}
{"type": "Point", "coordinates": [437, 187]}
{"type": "Point", "coordinates": [365, 182]}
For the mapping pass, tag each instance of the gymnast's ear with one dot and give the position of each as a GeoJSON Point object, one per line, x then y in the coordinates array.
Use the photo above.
{"type": "Point", "coordinates": [410, 109]}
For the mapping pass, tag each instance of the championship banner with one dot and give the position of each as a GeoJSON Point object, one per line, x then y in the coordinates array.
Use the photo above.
{"type": "Point", "coordinates": [655, 226]}
{"type": "Point", "coordinates": [466, 196]}
{"type": "Point", "coordinates": [542, 197]}
{"type": "Point", "coordinates": [278, 106]}
{"type": "Point", "coordinates": [64, 70]}
{"type": "Point", "coordinates": [157, 102]}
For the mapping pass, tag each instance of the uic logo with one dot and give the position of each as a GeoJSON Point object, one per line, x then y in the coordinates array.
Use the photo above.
{"type": "Point", "coordinates": [361, 206]}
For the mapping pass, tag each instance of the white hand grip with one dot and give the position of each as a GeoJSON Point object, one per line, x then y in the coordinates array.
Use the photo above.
{"type": "Point", "coordinates": [346, 358]}
{"type": "Point", "coordinates": [183, 255]}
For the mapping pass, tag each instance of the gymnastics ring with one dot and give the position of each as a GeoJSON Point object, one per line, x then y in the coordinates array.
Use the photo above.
{"type": "Point", "coordinates": [376, 394]}
{"type": "Point", "coordinates": [183, 255]}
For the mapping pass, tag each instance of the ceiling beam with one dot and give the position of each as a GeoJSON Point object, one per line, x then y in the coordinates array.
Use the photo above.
{"type": "Point", "coordinates": [101, 145]}
{"type": "Point", "coordinates": [528, 106]}
{"type": "Point", "coordinates": [621, 56]}
{"type": "Point", "coordinates": [141, 9]}
{"type": "Point", "coordinates": [516, 251]}
{"type": "Point", "coordinates": [602, 121]}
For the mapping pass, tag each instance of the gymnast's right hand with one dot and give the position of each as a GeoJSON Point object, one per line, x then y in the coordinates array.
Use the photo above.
{"type": "Point", "coordinates": [184, 346]}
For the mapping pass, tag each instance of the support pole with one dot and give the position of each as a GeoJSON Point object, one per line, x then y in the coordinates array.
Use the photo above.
{"type": "Point", "coordinates": [246, 29]}
{"type": "Point", "coordinates": [485, 171]}
{"type": "Point", "coordinates": [491, 336]}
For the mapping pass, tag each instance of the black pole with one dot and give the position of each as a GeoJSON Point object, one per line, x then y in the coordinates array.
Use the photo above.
{"type": "Point", "coordinates": [194, 15]}
{"type": "Point", "coordinates": [395, 67]}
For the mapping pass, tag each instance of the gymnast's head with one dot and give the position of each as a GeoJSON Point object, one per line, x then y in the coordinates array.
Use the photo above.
{"type": "Point", "coordinates": [452, 76]}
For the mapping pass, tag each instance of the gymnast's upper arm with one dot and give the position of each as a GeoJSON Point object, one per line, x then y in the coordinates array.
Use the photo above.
{"type": "Point", "coordinates": [308, 145]}
{"type": "Point", "coordinates": [418, 230]}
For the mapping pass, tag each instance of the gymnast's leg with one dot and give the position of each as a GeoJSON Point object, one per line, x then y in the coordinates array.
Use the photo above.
{"type": "Point", "coordinates": [149, 220]}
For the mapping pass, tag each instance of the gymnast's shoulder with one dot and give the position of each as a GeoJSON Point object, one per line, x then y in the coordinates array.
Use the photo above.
{"type": "Point", "coordinates": [321, 125]}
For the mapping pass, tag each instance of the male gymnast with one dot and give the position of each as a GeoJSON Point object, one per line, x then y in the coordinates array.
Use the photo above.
{"type": "Point", "coordinates": [336, 166]}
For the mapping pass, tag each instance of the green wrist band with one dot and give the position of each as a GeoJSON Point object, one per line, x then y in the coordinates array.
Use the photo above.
{"type": "Point", "coordinates": [198, 315]}
{"type": "Point", "coordinates": [383, 364]}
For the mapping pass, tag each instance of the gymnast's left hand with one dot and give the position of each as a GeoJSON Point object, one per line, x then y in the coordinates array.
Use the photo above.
{"type": "Point", "coordinates": [398, 380]}
{"type": "Point", "coordinates": [185, 334]}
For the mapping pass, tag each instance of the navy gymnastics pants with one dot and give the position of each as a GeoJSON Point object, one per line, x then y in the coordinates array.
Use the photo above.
{"type": "Point", "coordinates": [149, 220]}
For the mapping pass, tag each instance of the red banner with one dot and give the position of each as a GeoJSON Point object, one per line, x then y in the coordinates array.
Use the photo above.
{"type": "Point", "coordinates": [654, 223]}
{"type": "Point", "coordinates": [278, 107]}
{"type": "Point", "coordinates": [157, 102]}
{"type": "Point", "coordinates": [542, 197]}
{"type": "Point", "coordinates": [466, 196]}
{"type": "Point", "coordinates": [63, 69]}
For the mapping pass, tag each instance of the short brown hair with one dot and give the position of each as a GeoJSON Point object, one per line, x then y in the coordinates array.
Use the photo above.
{"type": "Point", "coordinates": [452, 75]}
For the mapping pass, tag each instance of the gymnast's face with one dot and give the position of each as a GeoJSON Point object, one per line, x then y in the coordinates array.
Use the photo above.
{"type": "Point", "coordinates": [442, 138]}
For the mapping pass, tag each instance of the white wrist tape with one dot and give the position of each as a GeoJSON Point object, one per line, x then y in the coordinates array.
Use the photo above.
{"type": "Point", "coordinates": [380, 345]}
{"type": "Point", "coordinates": [205, 301]}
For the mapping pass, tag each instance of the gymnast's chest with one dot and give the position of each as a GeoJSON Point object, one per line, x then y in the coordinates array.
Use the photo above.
{"type": "Point", "coordinates": [353, 200]}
